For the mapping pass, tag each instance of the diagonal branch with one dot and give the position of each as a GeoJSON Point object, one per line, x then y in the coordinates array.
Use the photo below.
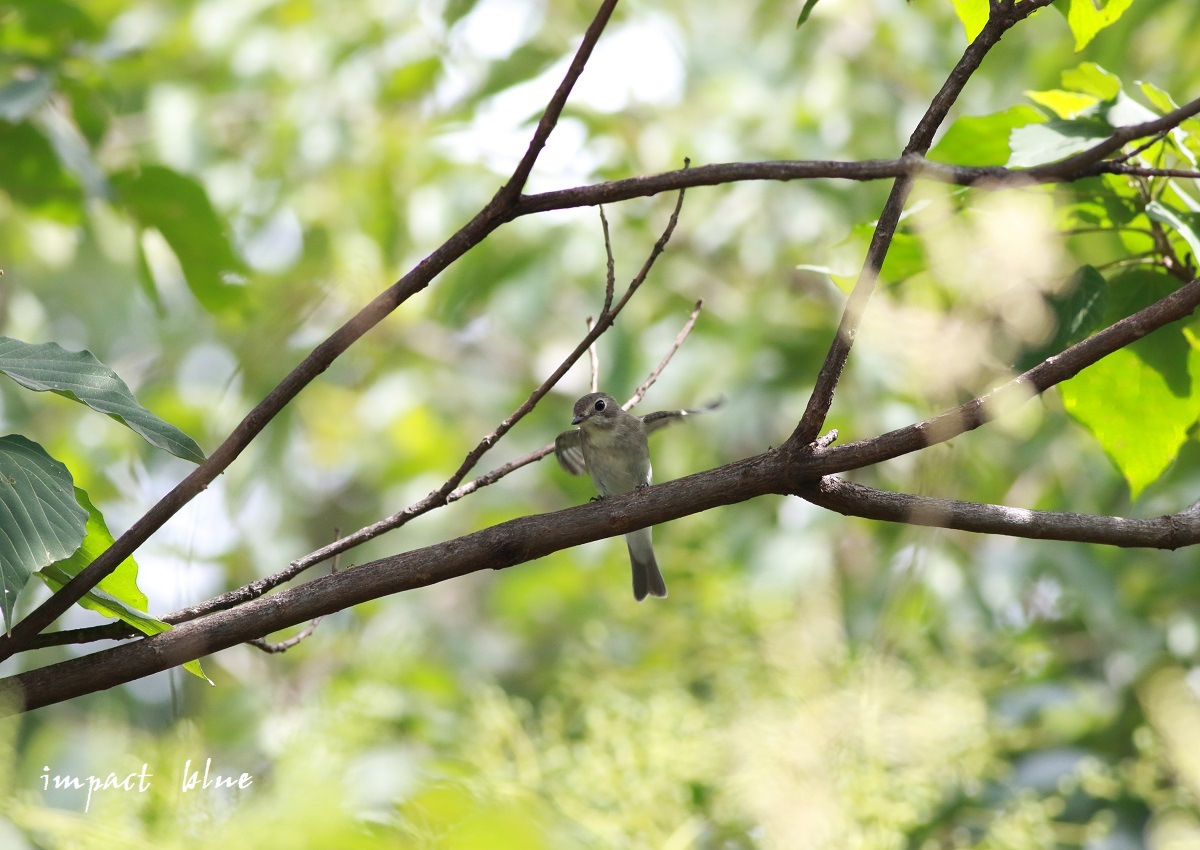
{"type": "Point", "coordinates": [495, 213]}
{"type": "Point", "coordinates": [441, 497]}
{"type": "Point", "coordinates": [1053, 370]}
{"type": "Point", "coordinates": [234, 598]}
{"type": "Point", "coordinates": [512, 189]}
{"type": "Point", "coordinates": [1001, 19]}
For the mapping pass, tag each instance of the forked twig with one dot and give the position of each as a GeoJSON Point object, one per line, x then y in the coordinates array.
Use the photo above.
{"type": "Point", "coordinates": [234, 598]}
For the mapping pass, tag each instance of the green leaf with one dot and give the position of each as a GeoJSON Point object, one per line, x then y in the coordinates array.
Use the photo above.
{"type": "Point", "coordinates": [983, 140]}
{"type": "Point", "coordinates": [1139, 402]}
{"type": "Point", "coordinates": [1165, 215]}
{"type": "Point", "coordinates": [44, 28]}
{"type": "Point", "coordinates": [1064, 104]}
{"type": "Point", "coordinates": [121, 583]}
{"type": "Point", "coordinates": [79, 376]}
{"type": "Point", "coordinates": [1088, 17]}
{"type": "Point", "coordinates": [117, 595]}
{"type": "Point", "coordinates": [1035, 144]}
{"type": "Point", "coordinates": [1090, 78]}
{"type": "Point", "coordinates": [33, 175]}
{"type": "Point", "coordinates": [805, 12]}
{"type": "Point", "coordinates": [40, 521]}
{"type": "Point", "coordinates": [178, 207]}
{"type": "Point", "coordinates": [973, 14]}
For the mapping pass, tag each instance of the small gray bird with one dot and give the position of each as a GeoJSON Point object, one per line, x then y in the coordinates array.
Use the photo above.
{"type": "Point", "coordinates": [610, 445]}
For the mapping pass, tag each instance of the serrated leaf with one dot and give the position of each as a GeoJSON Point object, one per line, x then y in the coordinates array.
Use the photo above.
{"type": "Point", "coordinates": [40, 521]}
{"type": "Point", "coordinates": [121, 583]}
{"type": "Point", "coordinates": [1064, 104]}
{"type": "Point", "coordinates": [1087, 17]}
{"type": "Point", "coordinates": [79, 376]}
{"type": "Point", "coordinates": [178, 207]}
{"type": "Point", "coordinates": [1131, 408]}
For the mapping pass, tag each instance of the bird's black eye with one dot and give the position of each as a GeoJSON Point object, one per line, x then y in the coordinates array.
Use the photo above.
{"type": "Point", "coordinates": [599, 404]}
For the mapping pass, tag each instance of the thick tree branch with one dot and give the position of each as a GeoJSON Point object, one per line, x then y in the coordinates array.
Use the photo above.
{"type": "Point", "coordinates": [913, 165]}
{"type": "Point", "coordinates": [498, 211]}
{"type": "Point", "coordinates": [1164, 532]}
{"type": "Point", "coordinates": [788, 470]}
{"type": "Point", "coordinates": [504, 545]}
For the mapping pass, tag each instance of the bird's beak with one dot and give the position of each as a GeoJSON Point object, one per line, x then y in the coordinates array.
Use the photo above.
{"type": "Point", "coordinates": [578, 419]}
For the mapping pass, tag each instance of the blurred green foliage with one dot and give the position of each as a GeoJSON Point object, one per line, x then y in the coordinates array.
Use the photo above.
{"type": "Point", "coordinates": [198, 192]}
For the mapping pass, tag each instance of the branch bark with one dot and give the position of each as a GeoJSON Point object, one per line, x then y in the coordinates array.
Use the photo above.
{"type": "Point", "coordinates": [849, 499]}
{"type": "Point", "coordinates": [785, 471]}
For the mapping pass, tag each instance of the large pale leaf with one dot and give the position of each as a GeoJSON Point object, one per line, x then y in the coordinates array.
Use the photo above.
{"type": "Point", "coordinates": [79, 376]}
{"type": "Point", "coordinates": [40, 521]}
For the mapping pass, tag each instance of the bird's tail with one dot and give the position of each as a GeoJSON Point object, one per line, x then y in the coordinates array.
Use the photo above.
{"type": "Point", "coordinates": [647, 580]}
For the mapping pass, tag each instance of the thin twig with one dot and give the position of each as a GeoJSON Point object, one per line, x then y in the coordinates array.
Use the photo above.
{"type": "Point", "coordinates": [919, 168]}
{"type": "Point", "coordinates": [1144, 171]}
{"type": "Point", "coordinates": [234, 598]}
{"type": "Point", "coordinates": [1144, 146]}
{"type": "Point", "coordinates": [645, 385]}
{"type": "Point", "coordinates": [593, 358]}
{"type": "Point", "coordinates": [610, 277]}
{"type": "Point", "coordinates": [441, 497]}
{"type": "Point", "coordinates": [284, 645]}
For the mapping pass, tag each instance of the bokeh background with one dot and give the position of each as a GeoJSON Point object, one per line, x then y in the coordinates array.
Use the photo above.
{"type": "Point", "coordinates": [812, 680]}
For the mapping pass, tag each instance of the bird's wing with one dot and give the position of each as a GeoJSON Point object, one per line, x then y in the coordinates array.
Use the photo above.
{"type": "Point", "coordinates": [661, 418]}
{"type": "Point", "coordinates": [569, 452]}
